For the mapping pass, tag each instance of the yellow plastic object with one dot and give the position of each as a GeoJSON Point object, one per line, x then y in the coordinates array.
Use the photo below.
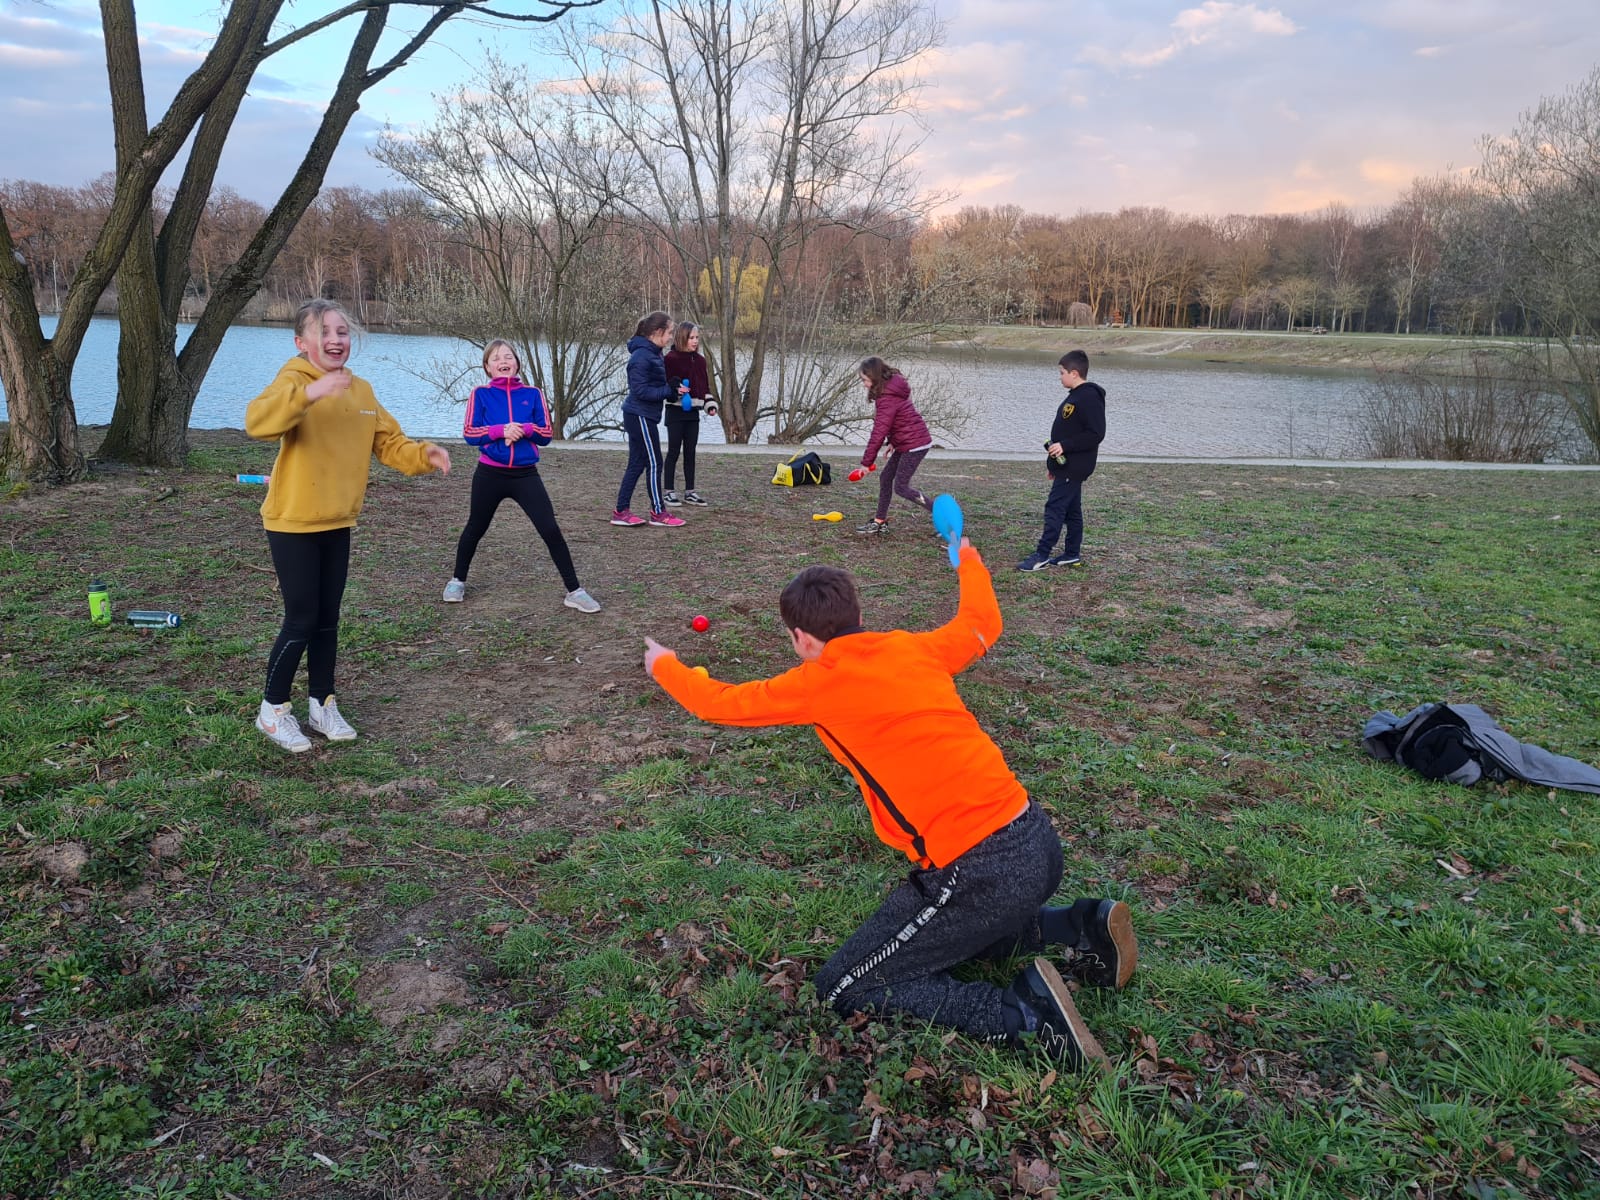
{"type": "Point", "coordinates": [833, 516]}
{"type": "Point", "coordinates": [701, 671]}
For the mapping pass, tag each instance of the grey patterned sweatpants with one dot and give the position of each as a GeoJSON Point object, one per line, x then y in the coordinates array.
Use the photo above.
{"type": "Point", "coordinates": [984, 905]}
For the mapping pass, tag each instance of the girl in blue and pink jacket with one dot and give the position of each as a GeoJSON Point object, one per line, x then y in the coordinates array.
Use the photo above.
{"type": "Point", "coordinates": [508, 420]}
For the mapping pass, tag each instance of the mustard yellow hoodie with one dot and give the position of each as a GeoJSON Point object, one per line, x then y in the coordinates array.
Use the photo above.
{"type": "Point", "coordinates": [320, 478]}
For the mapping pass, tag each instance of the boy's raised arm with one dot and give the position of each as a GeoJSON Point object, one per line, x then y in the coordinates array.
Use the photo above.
{"type": "Point", "coordinates": [967, 636]}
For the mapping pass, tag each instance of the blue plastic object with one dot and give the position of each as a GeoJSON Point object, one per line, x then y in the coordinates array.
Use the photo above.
{"type": "Point", "coordinates": [947, 523]}
{"type": "Point", "coordinates": [688, 400]}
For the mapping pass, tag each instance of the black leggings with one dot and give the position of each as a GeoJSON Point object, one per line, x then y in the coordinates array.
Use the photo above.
{"type": "Point", "coordinates": [682, 435]}
{"type": "Point", "coordinates": [312, 568]}
{"type": "Point", "coordinates": [491, 485]}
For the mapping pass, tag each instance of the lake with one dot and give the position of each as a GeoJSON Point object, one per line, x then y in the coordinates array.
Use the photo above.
{"type": "Point", "coordinates": [1153, 408]}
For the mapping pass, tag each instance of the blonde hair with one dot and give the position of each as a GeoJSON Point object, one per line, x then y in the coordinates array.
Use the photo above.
{"type": "Point", "coordinates": [316, 312]}
{"type": "Point", "coordinates": [495, 345]}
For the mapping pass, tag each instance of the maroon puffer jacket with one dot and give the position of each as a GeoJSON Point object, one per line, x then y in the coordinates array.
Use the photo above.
{"type": "Point", "coordinates": [896, 421]}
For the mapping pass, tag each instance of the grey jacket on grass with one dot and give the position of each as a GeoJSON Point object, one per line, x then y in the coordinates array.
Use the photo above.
{"type": "Point", "coordinates": [1460, 743]}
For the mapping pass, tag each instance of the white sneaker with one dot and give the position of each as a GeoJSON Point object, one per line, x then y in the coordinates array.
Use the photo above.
{"type": "Point", "coordinates": [278, 723]}
{"type": "Point", "coordinates": [325, 719]}
{"type": "Point", "coordinates": [455, 592]}
{"type": "Point", "coordinates": [582, 601]}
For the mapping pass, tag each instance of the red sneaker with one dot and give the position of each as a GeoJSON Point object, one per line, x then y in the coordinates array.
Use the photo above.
{"type": "Point", "coordinates": [665, 518]}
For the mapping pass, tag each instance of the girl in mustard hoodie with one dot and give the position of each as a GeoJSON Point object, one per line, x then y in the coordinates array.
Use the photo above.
{"type": "Point", "coordinates": [328, 425]}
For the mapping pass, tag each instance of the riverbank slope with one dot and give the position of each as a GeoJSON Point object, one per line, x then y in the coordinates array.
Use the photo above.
{"type": "Point", "coordinates": [1276, 348]}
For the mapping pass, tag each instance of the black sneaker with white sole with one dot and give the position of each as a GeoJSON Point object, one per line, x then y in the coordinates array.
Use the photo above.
{"type": "Point", "coordinates": [1040, 1006]}
{"type": "Point", "coordinates": [1098, 935]}
{"type": "Point", "coordinates": [1066, 560]}
{"type": "Point", "coordinates": [672, 500]}
{"type": "Point", "coordinates": [1034, 562]}
{"type": "Point", "coordinates": [694, 497]}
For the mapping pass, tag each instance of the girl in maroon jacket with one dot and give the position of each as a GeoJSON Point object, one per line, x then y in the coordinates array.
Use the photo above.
{"type": "Point", "coordinates": [682, 415]}
{"type": "Point", "coordinates": [898, 423]}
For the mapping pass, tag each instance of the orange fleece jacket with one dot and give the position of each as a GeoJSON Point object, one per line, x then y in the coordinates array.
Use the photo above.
{"type": "Point", "coordinates": [319, 480]}
{"type": "Point", "coordinates": [886, 706]}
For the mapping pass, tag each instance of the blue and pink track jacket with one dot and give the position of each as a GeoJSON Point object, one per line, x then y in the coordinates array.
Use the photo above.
{"type": "Point", "coordinates": [501, 402]}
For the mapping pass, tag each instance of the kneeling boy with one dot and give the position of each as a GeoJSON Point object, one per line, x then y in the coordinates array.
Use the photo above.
{"type": "Point", "coordinates": [986, 857]}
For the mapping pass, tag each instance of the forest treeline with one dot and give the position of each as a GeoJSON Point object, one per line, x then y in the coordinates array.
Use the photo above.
{"type": "Point", "coordinates": [1427, 262]}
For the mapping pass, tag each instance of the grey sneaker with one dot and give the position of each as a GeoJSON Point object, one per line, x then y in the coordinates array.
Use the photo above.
{"type": "Point", "coordinates": [455, 592]}
{"type": "Point", "coordinates": [278, 723]}
{"type": "Point", "coordinates": [1042, 1007]}
{"type": "Point", "coordinates": [581, 600]}
{"type": "Point", "coordinates": [873, 527]}
{"type": "Point", "coordinates": [1034, 562]}
{"type": "Point", "coordinates": [694, 497]}
{"type": "Point", "coordinates": [673, 500]}
{"type": "Point", "coordinates": [1066, 560]}
{"type": "Point", "coordinates": [325, 719]}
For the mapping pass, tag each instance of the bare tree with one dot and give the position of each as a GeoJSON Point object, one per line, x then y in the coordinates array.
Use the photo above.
{"type": "Point", "coordinates": [1244, 255]}
{"type": "Point", "coordinates": [1410, 230]}
{"type": "Point", "coordinates": [156, 383]}
{"type": "Point", "coordinates": [1544, 179]}
{"type": "Point", "coordinates": [761, 123]}
{"type": "Point", "coordinates": [530, 187]}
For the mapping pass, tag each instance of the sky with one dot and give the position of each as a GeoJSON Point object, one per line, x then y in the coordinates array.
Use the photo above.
{"type": "Point", "coordinates": [1058, 106]}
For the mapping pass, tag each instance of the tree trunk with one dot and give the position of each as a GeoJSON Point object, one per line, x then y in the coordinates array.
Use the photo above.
{"type": "Point", "coordinates": [150, 425]}
{"type": "Point", "coordinates": [43, 441]}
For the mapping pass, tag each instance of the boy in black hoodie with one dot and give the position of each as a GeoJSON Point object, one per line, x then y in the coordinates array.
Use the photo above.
{"type": "Point", "coordinates": [1075, 436]}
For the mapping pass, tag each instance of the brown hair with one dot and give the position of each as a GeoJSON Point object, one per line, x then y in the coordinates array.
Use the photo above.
{"type": "Point", "coordinates": [315, 310]}
{"type": "Point", "coordinates": [821, 601]}
{"type": "Point", "coordinates": [680, 338]}
{"type": "Point", "coordinates": [495, 345]}
{"type": "Point", "coordinates": [878, 373]}
{"type": "Point", "coordinates": [653, 322]}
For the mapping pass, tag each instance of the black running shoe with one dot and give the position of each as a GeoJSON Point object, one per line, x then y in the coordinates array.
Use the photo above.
{"type": "Point", "coordinates": [873, 527]}
{"type": "Point", "coordinates": [1098, 934]}
{"type": "Point", "coordinates": [1045, 1011]}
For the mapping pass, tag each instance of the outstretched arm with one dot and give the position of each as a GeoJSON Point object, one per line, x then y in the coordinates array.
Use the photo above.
{"type": "Point", "coordinates": [782, 700]}
{"type": "Point", "coordinates": [967, 636]}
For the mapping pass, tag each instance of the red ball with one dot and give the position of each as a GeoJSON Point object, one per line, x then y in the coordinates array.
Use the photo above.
{"type": "Point", "coordinates": [700, 624]}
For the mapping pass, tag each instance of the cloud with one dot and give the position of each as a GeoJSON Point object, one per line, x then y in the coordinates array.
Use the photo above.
{"type": "Point", "coordinates": [35, 56]}
{"type": "Point", "coordinates": [1217, 20]}
{"type": "Point", "coordinates": [1390, 173]}
{"type": "Point", "coordinates": [1217, 23]}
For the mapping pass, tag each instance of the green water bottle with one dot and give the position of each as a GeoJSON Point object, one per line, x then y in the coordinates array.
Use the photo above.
{"type": "Point", "coordinates": [99, 602]}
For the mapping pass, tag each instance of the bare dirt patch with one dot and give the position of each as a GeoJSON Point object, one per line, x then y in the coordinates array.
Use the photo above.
{"type": "Point", "coordinates": [396, 992]}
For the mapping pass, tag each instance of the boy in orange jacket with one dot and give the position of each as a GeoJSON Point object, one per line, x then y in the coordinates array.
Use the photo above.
{"type": "Point", "coordinates": [985, 857]}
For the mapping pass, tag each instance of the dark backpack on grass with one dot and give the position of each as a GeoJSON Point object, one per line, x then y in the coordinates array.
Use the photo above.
{"type": "Point", "coordinates": [803, 469]}
{"type": "Point", "coordinates": [1460, 743]}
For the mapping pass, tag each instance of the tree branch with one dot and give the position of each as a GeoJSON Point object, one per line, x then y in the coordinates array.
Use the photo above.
{"type": "Point", "coordinates": [561, 7]}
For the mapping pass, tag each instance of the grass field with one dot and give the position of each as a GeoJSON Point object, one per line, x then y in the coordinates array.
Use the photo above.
{"type": "Point", "coordinates": [537, 933]}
